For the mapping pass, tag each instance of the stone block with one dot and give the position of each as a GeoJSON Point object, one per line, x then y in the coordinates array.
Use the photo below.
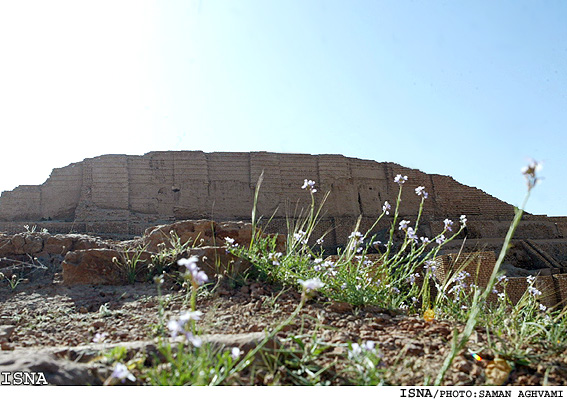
{"type": "Point", "coordinates": [101, 266]}
{"type": "Point", "coordinates": [218, 261]}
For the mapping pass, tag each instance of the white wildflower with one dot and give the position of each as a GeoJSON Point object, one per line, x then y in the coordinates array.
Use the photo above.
{"type": "Point", "coordinates": [400, 179]}
{"type": "Point", "coordinates": [311, 284]}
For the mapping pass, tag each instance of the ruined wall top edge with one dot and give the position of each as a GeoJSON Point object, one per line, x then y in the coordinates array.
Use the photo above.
{"type": "Point", "coordinates": [175, 185]}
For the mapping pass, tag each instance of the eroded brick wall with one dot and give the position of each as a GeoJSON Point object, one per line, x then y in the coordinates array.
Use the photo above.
{"type": "Point", "coordinates": [122, 195]}
{"type": "Point", "coordinates": [480, 266]}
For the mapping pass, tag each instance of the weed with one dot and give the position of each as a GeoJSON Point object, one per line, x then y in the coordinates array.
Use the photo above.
{"type": "Point", "coordinates": [389, 281]}
{"type": "Point", "coordinates": [33, 229]}
{"type": "Point", "coordinates": [479, 298]}
{"type": "Point", "coordinates": [169, 253]}
{"type": "Point", "coordinates": [13, 280]}
{"type": "Point", "coordinates": [131, 263]}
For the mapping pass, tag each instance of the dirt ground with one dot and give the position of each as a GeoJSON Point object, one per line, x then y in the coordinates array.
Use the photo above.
{"type": "Point", "coordinates": [44, 313]}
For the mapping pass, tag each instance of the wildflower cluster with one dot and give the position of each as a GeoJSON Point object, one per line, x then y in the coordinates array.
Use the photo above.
{"type": "Point", "coordinates": [530, 173]}
{"type": "Point", "coordinates": [100, 337]}
{"type": "Point", "coordinates": [356, 239]}
{"type": "Point", "coordinates": [330, 268]}
{"type": "Point", "coordinates": [300, 236]}
{"type": "Point", "coordinates": [459, 284]}
{"type": "Point", "coordinates": [275, 258]}
{"type": "Point", "coordinates": [430, 266]}
{"type": "Point", "coordinates": [178, 326]}
{"type": "Point", "coordinates": [412, 277]}
{"type": "Point", "coordinates": [400, 179]}
{"type": "Point", "coordinates": [421, 191]}
{"type": "Point", "coordinates": [367, 363]}
{"type": "Point", "coordinates": [356, 350]}
{"type": "Point", "coordinates": [531, 288]}
{"type": "Point", "coordinates": [503, 280]}
{"type": "Point", "coordinates": [311, 284]}
{"type": "Point", "coordinates": [230, 242]}
{"type": "Point", "coordinates": [193, 272]}
{"type": "Point", "coordinates": [309, 185]}
{"type": "Point", "coordinates": [122, 373]}
{"type": "Point", "coordinates": [354, 278]}
{"type": "Point", "coordinates": [386, 208]}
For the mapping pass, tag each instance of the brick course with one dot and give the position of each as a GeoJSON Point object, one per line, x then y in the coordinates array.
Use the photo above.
{"type": "Point", "coordinates": [480, 266]}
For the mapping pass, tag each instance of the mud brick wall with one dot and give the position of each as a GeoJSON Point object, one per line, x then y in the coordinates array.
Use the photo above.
{"type": "Point", "coordinates": [514, 288]}
{"type": "Point", "coordinates": [21, 204]}
{"type": "Point", "coordinates": [561, 223]}
{"type": "Point", "coordinates": [561, 286]}
{"type": "Point", "coordinates": [61, 194]}
{"type": "Point", "coordinates": [124, 194]}
{"type": "Point", "coordinates": [150, 176]}
{"type": "Point", "coordinates": [109, 185]}
{"type": "Point", "coordinates": [480, 266]}
{"type": "Point", "coordinates": [550, 294]}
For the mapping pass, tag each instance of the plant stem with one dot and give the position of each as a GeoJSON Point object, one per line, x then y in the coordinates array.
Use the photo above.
{"type": "Point", "coordinates": [479, 300]}
{"type": "Point", "coordinates": [246, 360]}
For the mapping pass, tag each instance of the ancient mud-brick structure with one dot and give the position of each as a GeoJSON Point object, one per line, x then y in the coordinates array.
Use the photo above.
{"type": "Point", "coordinates": [479, 267]}
{"type": "Point", "coordinates": [120, 195]}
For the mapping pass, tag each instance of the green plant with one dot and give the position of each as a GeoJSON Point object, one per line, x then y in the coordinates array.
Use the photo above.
{"type": "Point", "coordinates": [300, 361]}
{"type": "Point", "coordinates": [131, 263]}
{"type": "Point", "coordinates": [365, 364]}
{"type": "Point", "coordinates": [479, 298]}
{"type": "Point", "coordinates": [389, 281]}
{"type": "Point", "coordinates": [169, 253]}
{"type": "Point", "coordinates": [116, 354]}
{"type": "Point", "coordinates": [199, 363]}
{"type": "Point", "coordinates": [13, 281]}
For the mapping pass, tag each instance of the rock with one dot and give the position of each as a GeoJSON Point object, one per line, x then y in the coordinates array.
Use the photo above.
{"type": "Point", "coordinates": [340, 307]}
{"type": "Point", "coordinates": [239, 231]}
{"type": "Point", "coordinates": [217, 260]}
{"type": "Point", "coordinates": [45, 244]}
{"type": "Point", "coordinates": [56, 371]}
{"type": "Point", "coordinates": [498, 371]}
{"type": "Point", "coordinates": [109, 267]}
{"type": "Point", "coordinates": [18, 241]}
{"type": "Point", "coordinates": [58, 244]}
{"type": "Point", "coordinates": [100, 267]}
{"type": "Point", "coordinates": [6, 246]}
{"type": "Point", "coordinates": [95, 267]}
{"type": "Point", "coordinates": [5, 332]}
{"type": "Point", "coordinates": [201, 233]}
{"type": "Point", "coordinates": [192, 233]}
{"type": "Point", "coordinates": [6, 346]}
{"type": "Point", "coordinates": [27, 243]}
{"type": "Point", "coordinates": [85, 242]}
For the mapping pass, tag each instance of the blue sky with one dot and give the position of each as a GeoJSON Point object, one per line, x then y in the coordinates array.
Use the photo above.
{"type": "Point", "coordinates": [470, 89]}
